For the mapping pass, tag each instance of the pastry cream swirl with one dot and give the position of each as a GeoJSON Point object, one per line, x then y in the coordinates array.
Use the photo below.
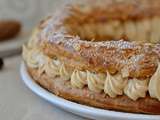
{"type": "Point", "coordinates": [52, 68]}
{"type": "Point", "coordinates": [114, 85]}
{"type": "Point", "coordinates": [78, 79]}
{"type": "Point", "coordinates": [34, 57]}
{"type": "Point", "coordinates": [154, 84]}
{"type": "Point", "coordinates": [65, 72]}
{"type": "Point", "coordinates": [95, 81]}
{"type": "Point", "coordinates": [136, 88]}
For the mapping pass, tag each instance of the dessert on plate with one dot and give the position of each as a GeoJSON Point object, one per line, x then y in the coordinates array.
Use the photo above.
{"type": "Point", "coordinates": [100, 53]}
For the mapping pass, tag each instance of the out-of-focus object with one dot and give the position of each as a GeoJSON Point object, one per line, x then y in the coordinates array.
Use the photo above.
{"type": "Point", "coordinates": [29, 13]}
{"type": "Point", "coordinates": [9, 29]}
{"type": "Point", "coordinates": [1, 63]}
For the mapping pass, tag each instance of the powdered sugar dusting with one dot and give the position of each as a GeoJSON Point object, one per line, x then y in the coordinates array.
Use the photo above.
{"type": "Point", "coordinates": [55, 24]}
{"type": "Point", "coordinates": [121, 44]}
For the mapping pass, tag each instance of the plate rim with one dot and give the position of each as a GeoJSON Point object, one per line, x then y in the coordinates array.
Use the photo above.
{"type": "Point", "coordinates": [78, 108]}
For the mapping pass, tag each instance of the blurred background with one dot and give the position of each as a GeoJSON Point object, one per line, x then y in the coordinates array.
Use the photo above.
{"type": "Point", "coordinates": [28, 13]}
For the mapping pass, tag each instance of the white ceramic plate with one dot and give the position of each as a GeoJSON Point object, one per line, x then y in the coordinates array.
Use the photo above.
{"type": "Point", "coordinates": [82, 110]}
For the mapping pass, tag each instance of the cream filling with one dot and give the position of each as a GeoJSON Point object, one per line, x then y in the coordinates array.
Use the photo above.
{"type": "Point", "coordinates": [136, 88]}
{"type": "Point", "coordinates": [112, 85]}
{"type": "Point", "coordinates": [55, 68]}
{"type": "Point", "coordinates": [65, 72]}
{"type": "Point", "coordinates": [155, 33]}
{"type": "Point", "coordinates": [78, 79]}
{"type": "Point", "coordinates": [154, 84]}
{"type": "Point", "coordinates": [95, 81]}
{"type": "Point", "coordinates": [52, 68]}
{"type": "Point", "coordinates": [139, 31]}
{"type": "Point", "coordinates": [34, 58]}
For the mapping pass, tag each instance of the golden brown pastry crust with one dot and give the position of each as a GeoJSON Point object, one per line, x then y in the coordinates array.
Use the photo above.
{"type": "Point", "coordinates": [84, 96]}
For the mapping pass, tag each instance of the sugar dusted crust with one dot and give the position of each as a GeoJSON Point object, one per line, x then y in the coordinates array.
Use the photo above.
{"type": "Point", "coordinates": [84, 96]}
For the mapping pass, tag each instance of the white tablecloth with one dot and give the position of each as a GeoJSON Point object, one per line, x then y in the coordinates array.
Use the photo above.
{"type": "Point", "coordinates": [17, 102]}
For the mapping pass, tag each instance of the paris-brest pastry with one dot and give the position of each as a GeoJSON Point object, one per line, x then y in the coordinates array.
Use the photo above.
{"type": "Point", "coordinates": [103, 53]}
